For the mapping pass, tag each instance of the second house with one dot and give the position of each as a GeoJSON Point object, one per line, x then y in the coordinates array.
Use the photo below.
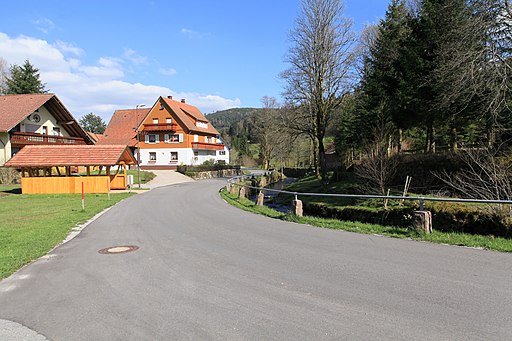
{"type": "Point", "coordinates": [171, 133]}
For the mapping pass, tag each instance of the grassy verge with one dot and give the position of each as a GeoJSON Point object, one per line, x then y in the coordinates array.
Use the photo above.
{"type": "Point", "coordinates": [31, 225]}
{"type": "Point", "coordinates": [461, 239]}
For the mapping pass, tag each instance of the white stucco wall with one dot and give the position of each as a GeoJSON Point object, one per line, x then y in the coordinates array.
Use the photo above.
{"type": "Point", "coordinates": [5, 148]}
{"type": "Point", "coordinates": [186, 156]}
{"type": "Point", "coordinates": [46, 120]}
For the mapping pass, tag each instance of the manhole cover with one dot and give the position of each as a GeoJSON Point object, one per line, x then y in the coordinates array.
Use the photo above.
{"type": "Point", "coordinates": [118, 249]}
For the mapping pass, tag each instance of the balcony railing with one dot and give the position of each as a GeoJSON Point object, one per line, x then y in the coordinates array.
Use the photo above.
{"type": "Point", "coordinates": [207, 146]}
{"type": "Point", "coordinates": [33, 138]}
{"type": "Point", "coordinates": [160, 127]}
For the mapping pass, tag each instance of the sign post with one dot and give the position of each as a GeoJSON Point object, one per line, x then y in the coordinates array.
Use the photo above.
{"type": "Point", "coordinates": [83, 197]}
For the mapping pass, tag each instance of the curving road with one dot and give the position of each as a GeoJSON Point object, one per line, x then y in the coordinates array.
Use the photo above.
{"type": "Point", "coordinates": [207, 271]}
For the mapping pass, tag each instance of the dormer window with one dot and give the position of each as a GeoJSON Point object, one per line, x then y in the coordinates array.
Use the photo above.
{"type": "Point", "coordinates": [201, 124]}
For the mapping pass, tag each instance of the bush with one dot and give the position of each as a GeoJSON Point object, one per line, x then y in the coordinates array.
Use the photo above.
{"type": "Point", "coordinates": [446, 217]}
{"type": "Point", "coordinates": [9, 176]}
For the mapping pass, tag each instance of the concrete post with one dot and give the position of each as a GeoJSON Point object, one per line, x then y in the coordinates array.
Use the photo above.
{"type": "Point", "coordinates": [242, 193]}
{"type": "Point", "coordinates": [261, 197]}
{"type": "Point", "coordinates": [423, 221]}
{"type": "Point", "coordinates": [298, 207]}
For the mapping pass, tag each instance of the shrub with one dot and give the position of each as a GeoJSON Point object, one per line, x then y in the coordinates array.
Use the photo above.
{"type": "Point", "coordinates": [9, 176]}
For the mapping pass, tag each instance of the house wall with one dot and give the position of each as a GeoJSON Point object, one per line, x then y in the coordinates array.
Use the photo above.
{"type": "Point", "coordinates": [5, 148]}
{"type": "Point", "coordinates": [47, 119]}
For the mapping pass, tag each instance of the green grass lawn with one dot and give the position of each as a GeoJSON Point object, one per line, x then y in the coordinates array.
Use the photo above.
{"type": "Point", "coordinates": [32, 224]}
{"type": "Point", "coordinates": [461, 239]}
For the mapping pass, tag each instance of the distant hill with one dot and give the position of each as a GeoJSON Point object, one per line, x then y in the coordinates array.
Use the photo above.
{"type": "Point", "coordinates": [236, 119]}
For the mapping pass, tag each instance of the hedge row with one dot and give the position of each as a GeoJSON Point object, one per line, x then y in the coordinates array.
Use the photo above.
{"type": "Point", "coordinates": [447, 217]}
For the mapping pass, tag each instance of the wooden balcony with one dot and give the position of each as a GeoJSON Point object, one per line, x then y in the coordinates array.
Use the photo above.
{"type": "Point", "coordinates": [33, 138]}
{"type": "Point", "coordinates": [160, 127]}
{"type": "Point", "coordinates": [207, 146]}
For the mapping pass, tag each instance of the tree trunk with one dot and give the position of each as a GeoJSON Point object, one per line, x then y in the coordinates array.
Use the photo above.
{"type": "Point", "coordinates": [315, 157]}
{"type": "Point", "coordinates": [431, 144]}
{"type": "Point", "coordinates": [400, 139]}
{"type": "Point", "coordinates": [321, 160]}
{"type": "Point", "coordinates": [453, 139]}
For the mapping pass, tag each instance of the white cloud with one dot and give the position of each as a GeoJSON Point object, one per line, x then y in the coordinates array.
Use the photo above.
{"type": "Point", "coordinates": [167, 72]}
{"type": "Point", "coordinates": [97, 88]}
{"type": "Point", "coordinates": [44, 25]}
{"type": "Point", "coordinates": [68, 48]}
{"type": "Point", "coordinates": [132, 56]}
{"type": "Point", "coordinates": [193, 34]}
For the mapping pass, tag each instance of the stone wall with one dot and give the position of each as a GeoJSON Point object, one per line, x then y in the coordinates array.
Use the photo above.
{"type": "Point", "coordinates": [223, 173]}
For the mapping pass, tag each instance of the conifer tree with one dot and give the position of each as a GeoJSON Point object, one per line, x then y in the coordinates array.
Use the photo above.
{"type": "Point", "coordinates": [24, 79]}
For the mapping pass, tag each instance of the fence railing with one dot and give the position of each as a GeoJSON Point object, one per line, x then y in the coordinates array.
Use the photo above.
{"type": "Point", "coordinates": [235, 181]}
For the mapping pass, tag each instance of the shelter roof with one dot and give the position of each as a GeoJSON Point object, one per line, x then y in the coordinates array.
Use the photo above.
{"type": "Point", "coordinates": [79, 155]}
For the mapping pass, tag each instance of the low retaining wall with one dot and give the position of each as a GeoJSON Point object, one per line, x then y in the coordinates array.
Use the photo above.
{"type": "Point", "coordinates": [223, 173]}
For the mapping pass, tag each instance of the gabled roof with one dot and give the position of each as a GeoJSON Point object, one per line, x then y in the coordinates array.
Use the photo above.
{"type": "Point", "coordinates": [122, 125]}
{"type": "Point", "coordinates": [96, 137]}
{"type": "Point", "coordinates": [188, 115]}
{"type": "Point", "coordinates": [80, 155]}
{"type": "Point", "coordinates": [15, 108]}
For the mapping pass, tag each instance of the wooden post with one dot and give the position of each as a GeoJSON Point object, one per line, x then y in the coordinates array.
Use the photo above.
{"type": "Point", "coordinates": [58, 170]}
{"type": "Point", "coordinates": [100, 168]}
{"type": "Point", "coordinates": [423, 221]}
{"type": "Point", "coordinates": [261, 198]}
{"type": "Point", "coordinates": [83, 196]}
{"type": "Point", "coordinates": [88, 170]}
{"type": "Point", "coordinates": [68, 170]}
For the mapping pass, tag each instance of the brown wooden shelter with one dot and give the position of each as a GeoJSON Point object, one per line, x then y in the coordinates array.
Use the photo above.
{"type": "Point", "coordinates": [54, 169]}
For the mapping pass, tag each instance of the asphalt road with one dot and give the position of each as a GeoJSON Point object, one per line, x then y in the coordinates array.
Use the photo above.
{"type": "Point", "coordinates": [207, 271]}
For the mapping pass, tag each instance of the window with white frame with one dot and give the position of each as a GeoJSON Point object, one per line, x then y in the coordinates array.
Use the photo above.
{"type": "Point", "coordinates": [174, 138]}
{"type": "Point", "coordinates": [152, 138]}
{"type": "Point", "coordinates": [56, 131]}
{"type": "Point", "coordinates": [174, 157]}
{"type": "Point", "coordinates": [201, 124]}
{"type": "Point", "coordinates": [152, 156]}
{"type": "Point", "coordinates": [155, 120]}
{"type": "Point", "coordinates": [168, 120]}
{"type": "Point", "coordinates": [222, 152]}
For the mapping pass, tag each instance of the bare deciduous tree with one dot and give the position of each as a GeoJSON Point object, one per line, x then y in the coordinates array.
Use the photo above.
{"type": "Point", "coordinates": [4, 72]}
{"type": "Point", "coordinates": [378, 166]}
{"type": "Point", "coordinates": [267, 129]}
{"type": "Point", "coordinates": [320, 69]}
{"type": "Point", "coordinates": [487, 176]}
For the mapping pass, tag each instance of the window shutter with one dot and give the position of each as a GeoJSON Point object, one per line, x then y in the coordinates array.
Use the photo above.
{"type": "Point", "coordinates": [181, 137]}
{"type": "Point", "coordinates": [206, 139]}
{"type": "Point", "coordinates": [196, 138]}
{"type": "Point", "coordinates": [146, 138]}
{"type": "Point", "coordinates": [166, 138]}
{"type": "Point", "coordinates": [157, 138]}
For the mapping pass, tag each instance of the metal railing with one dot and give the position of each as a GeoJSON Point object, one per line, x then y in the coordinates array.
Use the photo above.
{"type": "Point", "coordinates": [421, 200]}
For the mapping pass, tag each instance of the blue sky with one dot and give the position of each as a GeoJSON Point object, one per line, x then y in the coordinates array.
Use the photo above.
{"type": "Point", "coordinates": [98, 56]}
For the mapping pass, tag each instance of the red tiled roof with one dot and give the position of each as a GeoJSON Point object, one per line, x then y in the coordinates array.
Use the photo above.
{"type": "Point", "coordinates": [188, 115]}
{"type": "Point", "coordinates": [15, 108]}
{"type": "Point", "coordinates": [82, 155]}
{"type": "Point", "coordinates": [121, 128]}
{"type": "Point", "coordinates": [95, 137]}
